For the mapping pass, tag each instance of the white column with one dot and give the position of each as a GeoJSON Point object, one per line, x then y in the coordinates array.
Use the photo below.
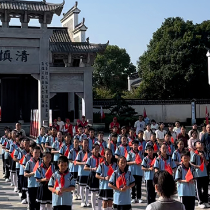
{"type": "Point", "coordinates": [208, 55]}
{"type": "Point", "coordinates": [87, 100]}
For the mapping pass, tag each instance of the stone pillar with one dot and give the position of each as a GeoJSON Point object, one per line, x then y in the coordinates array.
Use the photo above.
{"type": "Point", "coordinates": [208, 55]}
{"type": "Point", "coordinates": [87, 100]}
{"type": "Point", "coordinates": [43, 82]}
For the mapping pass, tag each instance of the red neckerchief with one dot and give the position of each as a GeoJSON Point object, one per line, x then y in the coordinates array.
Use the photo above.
{"type": "Point", "coordinates": [125, 148]}
{"type": "Point", "coordinates": [102, 151]}
{"type": "Point", "coordinates": [60, 144]}
{"type": "Point", "coordinates": [53, 138]}
{"type": "Point", "coordinates": [115, 145]}
{"type": "Point", "coordinates": [136, 153]}
{"type": "Point", "coordinates": [76, 152]}
{"type": "Point", "coordinates": [33, 160]}
{"type": "Point", "coordinates": [197, 152]}
{"type": "Point", "coordinates": [93, 140]}
{"type": "Point", "coordinates": [165, 160]}
{"type": "Point", "coordinates": [97, 160]}
{"type": "Point", "coordinates": [123, 179]}
{"type": "Point", "coordinates": [62, 179]}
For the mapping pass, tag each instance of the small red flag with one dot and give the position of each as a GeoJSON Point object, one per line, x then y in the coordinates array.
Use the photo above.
{"type": "Point", "coordinates": [85, 157]}
{"type": "Point", "coordinates": [56, 184]}
{"type": "Point", "coordinates": [155, 147]}
{"type": "Point", "coordinates": [126, 153]}
{"type": "Point", "coordinates": [169, 149]}
{"type": "Point", "coordinates": [102, 152]}
{"type": "Point", "coordinates": [119, 182]}
{"type": "Point", "coordinates": [138, 159]}
{"type": "Point", "coordinates": [36, 166]}
{"type": "Point", "coordinates": [189, 175]}
{"type": "Point", "coordinates": [66, 152]}
{"type": "Point", "coordinates": [101, 160]}
{"type": "Point", "coordinates": [169, 169]}
{"type": "Point", "coordinates": [12, 154]}
{"type": "Point", "coordinates": [75, 162]}
{"type": "Point", "coordinates": [202, 166]}
{"type": "Point", "coordinates": [172, 140]}
{"type": "Point", "coordinates": [140, 148]}
{"type": "Point", "coordinates": [22, 159]}
{"type": "Point", "coordinates": [48, 173]}
{"type": "Point", "coordinates": [153, 162]}
{"type": "Point", "coordinates": [130, 143]}
{"type": "Point", "coordinates": [110, 171]}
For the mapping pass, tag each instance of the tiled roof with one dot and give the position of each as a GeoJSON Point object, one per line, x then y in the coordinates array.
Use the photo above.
{"type": "Point", "coordinates": [76, 47]}
{"type": "Point", "coordinates": [32, 6]}
{"type": "Point", "coordinates": [60, 35]}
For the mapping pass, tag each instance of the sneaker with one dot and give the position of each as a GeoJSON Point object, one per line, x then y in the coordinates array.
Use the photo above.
{"type": "Point", "coordinates": [12, 185]}
{"type": "Point", "coordinates": [6, 180]}
{"type": "Point", "coordinates": [201, 206]}
{"type": "Point", "coordinates": [88, 204]}
{"type": "Point", "coordinates": [207, 205]}
{"type": "Point", "coordinates": [78, 197]}
{"type": "Point", "coordinates": [83, 204]}
{"type": "Point", "coordinates": [20, 194]}
{"type": "Point", "coordinates": [24, 201]}
{"type": "Point", "coordinates": [15, 189]}
{"type": "Point", "coordinates": [133, 201]}
{"type": "Point", "coordinates": [75, 197]}
{"type": "Point", "coordinates": [3, 176]}
{"type": "Point", "coordinates": [140, 200]}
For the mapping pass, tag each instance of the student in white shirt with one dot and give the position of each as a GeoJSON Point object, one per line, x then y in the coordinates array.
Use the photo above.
{"type": "Point", "coordinates": [160, 133]}
{"type": "Point", "coordinates": [139, 124]}
{"type": "Point", "coordinates": [154, 125]}
{"type": "Point", "coordinates": [177, 129]}
{"type": "Point", "coordinates": [61, 124]}
{"type": "Point", "coordinates": [147, 133]}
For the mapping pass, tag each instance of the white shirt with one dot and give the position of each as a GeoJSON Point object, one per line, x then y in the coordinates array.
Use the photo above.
{"type": "Point", "coordinates": [61, 124]}
{"type": "Point", "coordinates": [147, 135]}
{"type": "Point", "coordinates": [154, 127]}
{"type": "Point", "coordinates": [160, 134]}
{"type": "Point", "coordinates": [177, 130]}
{"type": "Point", "coordinates": [174, 135]}
{"type": "Point", "coordinates": [139, 126]}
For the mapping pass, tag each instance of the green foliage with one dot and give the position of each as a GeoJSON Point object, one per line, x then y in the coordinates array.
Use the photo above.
{"type": "Point", "coordinates": [103, 93]}
{"type": "Point", "coordinates": [175, 63]}
{"type": "Point", "coordinates": [111, 69]}
{"type": "Point", "coordinates": [134, 94]}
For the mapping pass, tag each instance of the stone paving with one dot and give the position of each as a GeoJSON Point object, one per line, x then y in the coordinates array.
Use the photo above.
{"type": "Point", "coordinates": [10, 200]}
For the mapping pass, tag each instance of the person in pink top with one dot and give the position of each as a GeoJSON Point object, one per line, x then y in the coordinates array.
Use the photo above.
{"type": "Point", "coordinates": [192, 140]}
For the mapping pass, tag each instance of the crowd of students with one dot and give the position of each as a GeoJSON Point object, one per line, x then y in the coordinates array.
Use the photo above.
{"type": "Point", "coordinates": [56, 168]}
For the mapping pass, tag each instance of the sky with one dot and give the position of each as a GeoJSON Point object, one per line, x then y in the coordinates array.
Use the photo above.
{"type": "Point", "coordinates": [130, 24]}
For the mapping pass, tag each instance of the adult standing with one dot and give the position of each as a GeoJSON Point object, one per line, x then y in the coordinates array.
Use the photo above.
{"type": "Point", "coordinates": [139, 125]}
{"type": "Point", "coordinates": [19, 129]}
{"type": "Point", "coordinates": [116, 124]}
{"type": "Point", "coordinates": [194, 127]}
{"type": "Point", "coordinates": [162, 180]}
{"type": "Point", "coordinates": [206, 142]}
{"type": "Point", "coordinates": [61, 124]}
{"type": "Point", "coordinates": [83, 122]}
{"type": "Point", "coordinates": [184, 136]}
{"type": "Point", "coordinates": [68, 128]}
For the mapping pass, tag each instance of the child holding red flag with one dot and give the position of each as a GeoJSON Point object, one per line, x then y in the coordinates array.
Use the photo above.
{"type": "Point", "coordinates": [185, 175]}
{"type": "Point", "coordinates": [123, 149]}
{"type": "Point", "coordinates": [93, 183]}
{"type": "Point", "coordinates": [121, 182]}
{"type": "Point", "coordinates": [199, 160]}
{"type": "Point", "coordinates": [44, 195]}
{"type": "Point", "coordinates": [67, 146]}
{"type": "Point", "coordinates": [176, 157]}
{"type": "Point", "coordinates": [148, 168]}
{"type": "Point", "coordinates": [73, 168]}
{"type": "Point", "coordinates": [32, 184]}
{"type": "Point", "coordinates": [103, 173]}
{"type": "Point", "coordinates": [134, 160]}
{"type": "Point", "coordinates": [170, 146]}
{"type": "Point", "coordinates": [164, 161]}
{"type": "Point", "coordinates": [153, 143]}
{"type": "Point", "coordinates": [102, 143]}
{"type": "Point", "coordinates": [81, 160]}
{"type": "Point", "coordinates": [61, 185]}
{"type": "Point", "coordinates": [142, 143]}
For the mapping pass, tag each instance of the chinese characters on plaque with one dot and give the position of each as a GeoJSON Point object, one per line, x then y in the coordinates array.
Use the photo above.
{"type": "Point", "coordinates": [5, 55]}
{"type": "Point", "coordinates": [44, 78]}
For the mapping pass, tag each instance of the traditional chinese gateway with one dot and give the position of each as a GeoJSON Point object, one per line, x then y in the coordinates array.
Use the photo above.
{"type": "Point", "coordinates": [44, 67]}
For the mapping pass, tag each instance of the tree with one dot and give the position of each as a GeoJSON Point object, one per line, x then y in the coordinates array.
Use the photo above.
{"type": "Point", "coordinates": [175, 63]}
{"type": "Point", "coordinates": [111, 69]}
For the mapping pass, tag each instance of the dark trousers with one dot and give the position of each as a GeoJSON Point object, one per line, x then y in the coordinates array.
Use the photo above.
{"type": "Point", "coordinates": [4, 164]}
{"type": "Point", "coordinates": [188, 201]}
{"type": "Point", "coordinates": [32, 193]}
{"type": "Point", "coordinates": [202, 189]}
{"type": "Point", "coordinates": [18, 177]}
{"type": "Point", "coordinates": [7, 167]}
{"type": "Point", "coordinates": [62, 208]}
{"type": "Point", "coordinates": [151, 195]}
{"type": "Point", "coordinates": [23, 190]}
{"type": "Point", "coordinates": [137, 187]}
